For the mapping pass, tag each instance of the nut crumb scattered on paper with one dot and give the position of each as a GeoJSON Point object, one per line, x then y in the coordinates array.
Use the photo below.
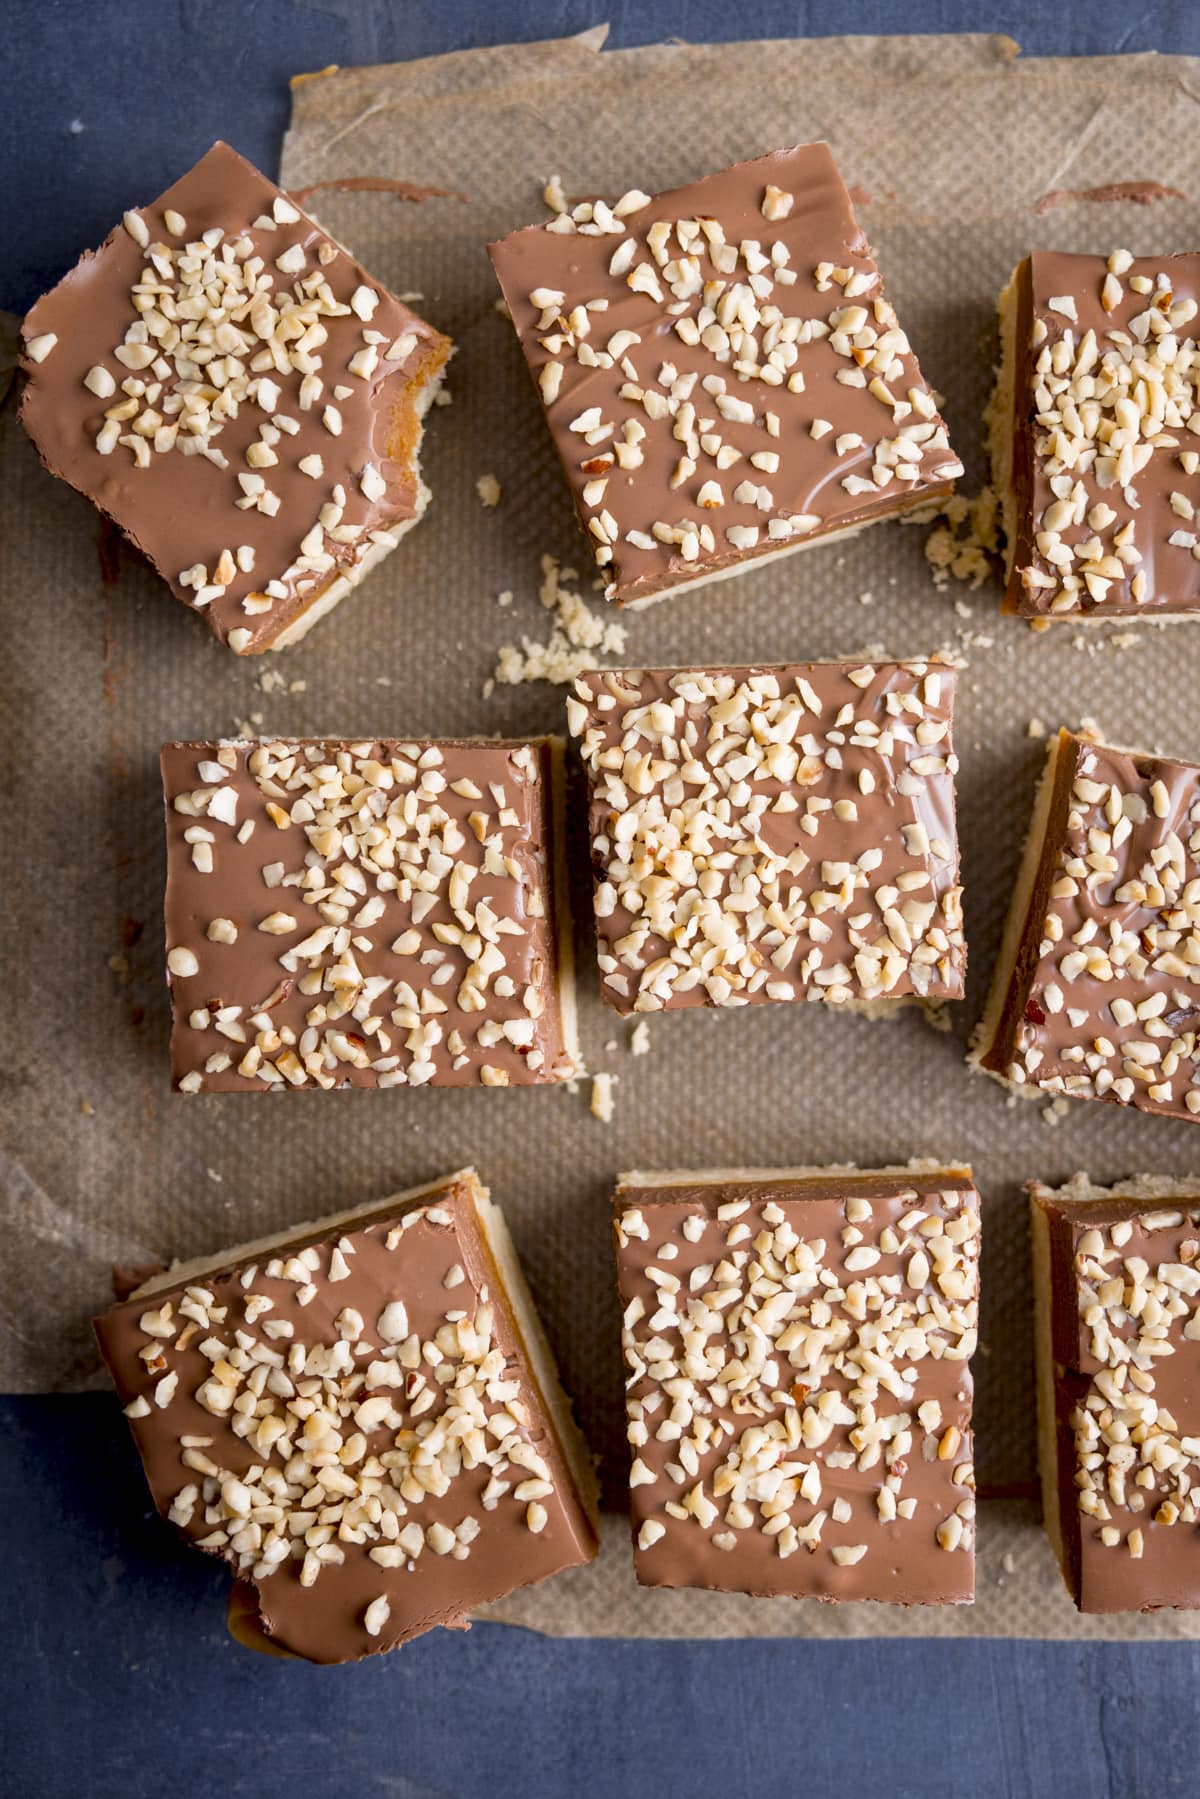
{"type": "Point", "coordinates": [1035, 728]}
{"type": "Point", "coordinates": [963, 541]}
{"type": "Point", "coordinates": [553, 194]}
{"type": "Point", "coordinates": [603, 1101]}
{"type": "Point", "coordinates": [87, 1108]}
{"type": "Point", "coordinates": [578, 637]}
{"type": "Point", "coordinates": [1058, 1108]}
{"type": "Point", "coordinates": [489, 490]}
{"type": "Point", "coordinates": [639, 1039]}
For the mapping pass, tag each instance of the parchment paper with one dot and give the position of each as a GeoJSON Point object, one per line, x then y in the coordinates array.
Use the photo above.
{"type": "Point", "coordinates": [950, 143]}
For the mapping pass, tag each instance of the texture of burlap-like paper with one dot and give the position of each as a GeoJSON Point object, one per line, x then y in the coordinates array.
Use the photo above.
{"type": "Point", "coordinates": [950, 144]}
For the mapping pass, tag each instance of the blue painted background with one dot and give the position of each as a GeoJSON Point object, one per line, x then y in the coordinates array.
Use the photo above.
{"type": "Point", "coordinates": [117, 1680]}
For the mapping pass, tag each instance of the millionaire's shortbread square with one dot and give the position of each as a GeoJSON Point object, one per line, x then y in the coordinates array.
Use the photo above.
{"type": "Point", "coordinates": [1093, 431]}
{"type": "Point", "coordinates": [366, 914]}
{"type": "Point", "coordinates": [722, 374]}
{"type": "Point", "coordinates": [797, 1346]}
{"type": "Point", "coordinates": [1095, 993]}
{"type": "Point", "coordinates": [223, 381]}
{"type": "Point", "coordinates": [773, 834]}
{"type": "Point", "coordinates": [1117, 1282]}
{"type": "Point", "coordinates": [362, 1418]}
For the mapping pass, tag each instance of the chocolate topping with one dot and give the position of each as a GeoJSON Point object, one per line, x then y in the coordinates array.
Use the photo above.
{"type": "Point", "coordinates": [799, 1393]}
{"type": "Point", "coordinates": [1125, 1325]}
{"type": "Point", "coordinates": [1104, 1001]}
{"type": "Point", "coordinates": [721, 373]}
{"type": "Point", "coordinates": [252, 428]}
{"type": "Point", "coordinates": [1106, 389]}
{"type": "Point", "coordinates": [370, 914]}
{"type": "Point", "coordinates": [773, 834]}
{"type": "Point", "coordinates": [348, 1420]}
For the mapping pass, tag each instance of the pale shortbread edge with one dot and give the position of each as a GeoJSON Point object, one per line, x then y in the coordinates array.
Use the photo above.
{"type": "Point", "coordinates": [1014, 928]}
{"type": "Point", "coordinates": [999, 419]}
{"type": "Point", "coordinates": [1047, 1420]}
{"type": "Point", "coordinates": [917, 504]}
{"type": "Point", "coordinates": [326, 598]}
{"type": "Point", "coordinates": [924, 1166]}
{"type": "Point", "coordinates": [539, 1357]}
{"type": "Point", "coordinates": [195, 1269]}
{"type": "Point", "coordinates": [1150, 1187]}
{"type": "Point", "coordinates": [564, 921]}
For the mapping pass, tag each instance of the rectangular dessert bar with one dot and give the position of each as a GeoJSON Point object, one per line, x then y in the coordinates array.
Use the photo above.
{"type": "Point", "coordinates": [1094, 994]}
{"type": "Point", "coordinates": [773, 834]}
{"type": "Point", "coordinates": [797, 1345]}
{"type": "Point", "coordinates": [223, 381]}
{"type": "Point", "coordinates": [722, 374]}
{"type": "Point", "coordinates": [366, 914]}
{"type": "Point", "coordinates": [1092, 431]}
{"type": "Point", "coordinates": [362, 1418]}
{"type": "Point", "coordinates": [1117, 1281]}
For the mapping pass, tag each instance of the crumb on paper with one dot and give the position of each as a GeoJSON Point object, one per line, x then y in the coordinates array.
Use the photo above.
{"type": "Point", "coordinates": [120, 967]}
{"type": "Point", "coordinates": [578, 637]}
{"type": "Point", "coordinates": [603, 1101]}
{"type": "Point", "coordinates": [1035, 728]}
{"type": "Point", "coordinates": [639, 1039]}
{"type": "Point", "coordinates": [505, 597]}
{"type": "Point", "coordinates": [553, 194]}
{"type": "Point", "coordinates": [214, 1175]}
{"type": "Point", "coordinates": [1058, 1108]}
{"type": "Point", "coordinates": [866, 599]}
{"type": "Point", "coordinates": [87, 1108]}
{"type": "Point", "coordinates": [964, 540]}
{"type": "Point", "coordinates": [489, 490]}
{"type": "Point", "coordinates": [1095, 642]}
{"type": "Point", "coordinates": [1009, 1564]}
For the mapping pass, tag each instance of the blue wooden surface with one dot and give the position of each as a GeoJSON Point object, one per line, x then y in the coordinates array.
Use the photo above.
{"type": "Point", "coordinates": [118, 1678]}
